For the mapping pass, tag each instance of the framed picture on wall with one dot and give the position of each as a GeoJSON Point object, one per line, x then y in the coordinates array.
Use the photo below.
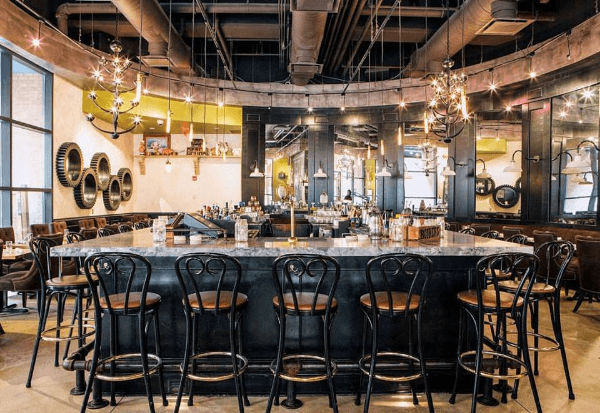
{"type": "Point", "coordinates": [157, 144]}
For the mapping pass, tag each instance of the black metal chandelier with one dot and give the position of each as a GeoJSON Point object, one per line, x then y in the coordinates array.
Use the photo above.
{"type": "Point", "coordinates": [114, 69]}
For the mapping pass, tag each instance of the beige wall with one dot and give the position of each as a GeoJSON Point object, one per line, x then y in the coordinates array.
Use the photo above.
{"type": "Point", "coordinates": [70, 126]}
{"type": "Point", "coordinates": [218, 180]}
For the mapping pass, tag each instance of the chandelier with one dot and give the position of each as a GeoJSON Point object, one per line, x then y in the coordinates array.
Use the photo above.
{"type": "Point", "coordinates": [449, 105]}
{"type": "Point", "coordinates": [114, 69]}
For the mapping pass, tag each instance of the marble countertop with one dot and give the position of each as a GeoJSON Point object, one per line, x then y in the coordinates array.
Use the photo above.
{"type": "Point", "coordinates": [140, 242]}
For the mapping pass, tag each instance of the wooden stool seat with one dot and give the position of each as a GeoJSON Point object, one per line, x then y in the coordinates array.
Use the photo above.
{"type": "Point", "coordinates": [469, 297]}
{"type": "Point", "coordinates": [117, 301]}
{"type": "Point", "coordinates": [209, 300]}
{"type": "Point", "coordinates": [538, 288]}
{"type": "Point", "coordinates": [68, 281]}
{"type": "Point", "coordinates": [399, 300]}
{"type": "Point", "coordinates": [305, 302]}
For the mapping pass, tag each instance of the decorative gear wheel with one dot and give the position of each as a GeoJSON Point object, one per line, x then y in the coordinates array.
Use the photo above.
{"type": "Point", "coordinates": [69, 164]}
{"type": "Point", "coordinates": [86, 193]}
{"type": "Point", "coordinates": [112, 194]}
{"type": "Point", "coordinates": [101, 164]}
{"type": "Point", "coordinates": [126, 179]}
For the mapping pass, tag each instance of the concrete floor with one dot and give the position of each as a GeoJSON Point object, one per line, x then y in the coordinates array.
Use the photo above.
{"type": "Point", "coordinates": [50, 387]}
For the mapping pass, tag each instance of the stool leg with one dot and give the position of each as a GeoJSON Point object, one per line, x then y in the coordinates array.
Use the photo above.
{"type": "Point", "coordinates": [504, 349]}
{"type": "Point", "coordinates": [94, 364]}
{"type": "Point", "coordinates": [158, 352]}
{"type": "Point", "coordinates": [73, 317]}
{"type": "Point", "coordinates": [60, 309]}
{"type": "Point", "coordinates": [580, 298]}
{"type": "Point", "coordinates": [279, 362]}
{"type": "Point", "coordinates": [374, 331]}
{"type": "Point", "coordinates": [362, 354]}
{"type": "Point", "coordinates": [478, 359]}
{"type": "Point", "coordinates": [554, 306]}
{"type": "Point", "coordinates": [144, 352]}
{"type": "Point", "coordinates": [236, 375]}
{"type": "Point", "coordinates": [422, 362]}
{"type": "Point", "coordinates": [526, 359]}
{"type": "Point", "coordinates": [332, 396]}
{"type": "Point", "coordinates": [45, 307]}
{"type": "Point", "coordinates": [536, 339]}
{"type": "Point", "coordinates": [196, 326]}
{"type": "Point", "coordinates": [461, 318]}
{"type": "Point", "coordinates": [113, 350]}
{"type": "Point", "coordinates": [411, 351]}
{"type": "Point", "coordinates": [186, 359]}
{"type": "Point", "coordinates": [240, 331]}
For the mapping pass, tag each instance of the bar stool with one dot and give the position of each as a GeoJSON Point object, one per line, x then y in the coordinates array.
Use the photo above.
{"type": "Point", "coordinates": [210, 285]}
{"type": "Point", "coordinates": [499, 363]}
{"type": "Point", "coordinates": [123, 281]}
{"type": "Point", "coordinates": [105, 232]}
{"type": "Point", "coordinates": [491, 234]}
{"type": "Point", "coordinates": [469, 231]}
{"type": "Point", "coordinates": [305, 285]}
{"type": "Point", "coordinates": [125, 228]}
{"type": "Point", "coordinates": [397, 288]}
{"type": "Point", "coordinates": [554, 258]}
{"type": "Point", "coordinates": [517, 239]}
{"type": "Point", "coordinates": [55, 284]}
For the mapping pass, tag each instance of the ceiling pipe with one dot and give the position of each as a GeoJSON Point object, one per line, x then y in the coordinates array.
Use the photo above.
{"type": "Point", "coordinates": [335, 27]}
{"type": "Point", "coordinates": [475, 14]}
{"type": "Point", "coordinates": [156, 27]}
{"type": "Point", "coordinates": [345, 39]}
{"type": "Point", "coordinates": [309, 18]}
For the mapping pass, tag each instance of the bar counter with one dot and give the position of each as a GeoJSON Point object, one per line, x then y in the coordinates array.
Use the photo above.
{"type": "Point", "coordinates": [452, 255]}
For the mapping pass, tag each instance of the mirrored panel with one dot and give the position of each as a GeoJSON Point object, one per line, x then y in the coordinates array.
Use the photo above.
{"type": "Point", "coordinates": [574, 180]}
{"type": "Point", "coordinates": [498, 163]}
{"type": "Point", "coordinates": [354, 153]}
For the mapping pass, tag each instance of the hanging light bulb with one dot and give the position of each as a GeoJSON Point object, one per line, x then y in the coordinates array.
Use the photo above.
{"type": "Point", "coordinates": [426, 122]}
{"type": "Point", "coordinates": [369, 151]}
{"type": "Point", "coordinates": [191, 132]}
{"type": "Point", "coordinates": [168, 126]}
{"type": "Point", "coordinates": [382, 148]}
{"type": "Point", "coordinates": [168, 166]}
{"type": "Point", "coordinates": [138, 87]}
{"type": "Point", "coordinates": [37, 41]}
{"type": "Point", "coordinates": [400, 134]}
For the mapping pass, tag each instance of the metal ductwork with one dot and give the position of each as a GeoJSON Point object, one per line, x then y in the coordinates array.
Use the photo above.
{"type": "Point", "coordinates": [309, 18]}
{"type": "Point", "coordinates": [480, 17]}
{"type": "Point", "coordinates": [154, 24]}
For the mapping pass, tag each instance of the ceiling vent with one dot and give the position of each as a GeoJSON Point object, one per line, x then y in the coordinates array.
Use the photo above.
{"type": "Point", "coordinates": [504, 20]}
{"type": "Point", "coordinates": [156, 61]}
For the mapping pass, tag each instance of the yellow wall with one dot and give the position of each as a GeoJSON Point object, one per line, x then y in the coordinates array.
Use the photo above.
{"type": "Point", "coordinates": [280, 165]}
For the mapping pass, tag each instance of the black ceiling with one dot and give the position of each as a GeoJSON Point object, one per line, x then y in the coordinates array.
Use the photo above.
{"type": "Point", "coordinates": [258, 43]}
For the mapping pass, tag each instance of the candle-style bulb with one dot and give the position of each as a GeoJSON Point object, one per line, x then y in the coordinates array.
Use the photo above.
{"type": "Point", "coordinates": [138, 87]}
{"type": "Point", "coordinates": [426, 123]}
{"type": "Point", "coordinates": [382, 148]}
{"type": "Point", "coordinates": [191, 131]}
{"type": "Point", "coordinates": [168, 127]}
{"type": "Point", "coordinates": [400, 135]}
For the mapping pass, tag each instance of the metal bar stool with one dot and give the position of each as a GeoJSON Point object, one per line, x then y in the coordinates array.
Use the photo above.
{"type": "Point", "coordinates": [554, 258]}
{"type": "Point", "coordinates": [210, 285]}
{"type": "Point", "coordinates": [55, 284]}
{"type": "Point", "coordinates": [497, 362]}
{"type": "Point", "coordinates": [397, 288]}
{"type": "Point", "coordinates": [123, 281]}
{"type": "Point", "coordinates": [305, 285]}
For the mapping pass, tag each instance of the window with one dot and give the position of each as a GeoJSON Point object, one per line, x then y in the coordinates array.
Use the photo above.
{"type": "Point", "coordinates": [25, 144]}
{"type": "Point", "coordinates": [421, 165]}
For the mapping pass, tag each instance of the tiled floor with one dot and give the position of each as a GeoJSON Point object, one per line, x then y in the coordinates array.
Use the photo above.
{"type": "Point", "coordinates": [50, 388]}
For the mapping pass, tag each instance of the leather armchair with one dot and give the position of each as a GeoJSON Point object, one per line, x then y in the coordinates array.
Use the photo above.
{"type": "Point", "coordinates": [87, 224]}
{"type": "Point", "coordinates": [58, 227]}
{"type": "Point", "coordinates": [100, 222]}
{"type": "Point", "coordinates": [8, 234]}
{"type": "Point", "coordinates": [39, 229]}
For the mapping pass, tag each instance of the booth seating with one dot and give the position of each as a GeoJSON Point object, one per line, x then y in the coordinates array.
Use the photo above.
{"type": "Point", "coordinates": [100, 222]}
{"type": "Point", "coordinates": [58, 227]}
{"type": "Point", "coordinates": [588, 254]}
{"type": "Point", "coordinates": [39, 229]}
{"type": "Point", "coordinates": [87, 224]}
{"type": "Point", "coordinates": [8, 234]}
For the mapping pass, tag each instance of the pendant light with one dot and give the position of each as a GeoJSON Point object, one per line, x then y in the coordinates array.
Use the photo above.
{"type": "Point", "coordinates": [384, 172]}
{"type": "Point", "coordinates": [320, 173]}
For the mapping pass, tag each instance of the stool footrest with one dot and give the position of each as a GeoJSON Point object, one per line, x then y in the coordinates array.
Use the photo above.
{"type": "Point", "coordinates": [102, 365]}
{"type": "Point", "coordinates": [303, 369]}
{"type": "Point", "coordinates": [47, 334]}
{"type": "Point", "coordinates": [555, 344]}
{"type": "Point", "coordinates": [214, 354]}
{"type": "Point", "coordinates": [364, 365]}
{"type": "Point", "coordinates": [512, 363]}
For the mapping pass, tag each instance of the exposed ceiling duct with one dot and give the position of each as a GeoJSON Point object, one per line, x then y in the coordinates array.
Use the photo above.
{"type": "Point", "coordinates": [478, 17]}
{"type": "Point", "coordinates": [155, 26]}
{"type": "Point", "coordinates": [309, 18]}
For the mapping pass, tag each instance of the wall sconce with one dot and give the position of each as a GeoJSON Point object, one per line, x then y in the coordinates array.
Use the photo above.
{"type": "Point", "coordinates": [384, 170]}
{"type": "Point", "coordinates": [578, 164]}
{"type": "Point", "coordinates": [320, 173]}
{"type": "Point", "coordinates": [449, 172]}
{"type": "Point", "coordinates": [483, 174]}
{"type": "Point", "coordinates": [407, 175]}
{"type": "Point", "coordinates": [256, 173]}
{"type": "Point", "coordinates": [513, 166]}
{"type": "Point", "coordinates": [584, 180]}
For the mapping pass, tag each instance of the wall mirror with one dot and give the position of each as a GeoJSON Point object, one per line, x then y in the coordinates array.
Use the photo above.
{"type": "Point", "coordinates": [506, 196]}
{"type": "Point", "coordinates": [286, 163]}
{"type": "Point", "coordinates": [352, 160]}
{"type": "Point", "coordinates": [574, 187]}
{"type": "Point", "coordinates": [498, 137]}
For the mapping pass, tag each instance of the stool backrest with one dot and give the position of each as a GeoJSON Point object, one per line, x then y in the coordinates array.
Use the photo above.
{"type": "Point", "coordinates": [554, 258]}
{"type": "Point", "coordinates": [517, 239]}
{"type": "Point", "coordinates": [311, 274]}
{"type": "Point", "coordinates": [469, 231]}
{"type": "Point", "coordinates": [73, 237]}
{"type": "Point", "coordinates": [492, 268]}
{"type": "Point", "coordinates": [510, 231]}
{"type": "Point", "coordinates": [540, 237]}
{"type": "Point", "coordinates": [118, 273]}
{"type": "Point", "coordinates": [125, 228]}
{"type": "Point", "coordinates": [491, 234]}
{"type": "Point", "coordinates": [199, 272]}
{"type": "Point", "coordinates": [389, 273]}
{"type": "Point", "coordinates": [105, 232]}
{"type": "Point", "coordinates": [40, 248]}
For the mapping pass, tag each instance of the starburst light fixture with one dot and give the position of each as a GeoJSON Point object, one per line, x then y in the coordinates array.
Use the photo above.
{"type": "Point", "coordinates": [114, 69]}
